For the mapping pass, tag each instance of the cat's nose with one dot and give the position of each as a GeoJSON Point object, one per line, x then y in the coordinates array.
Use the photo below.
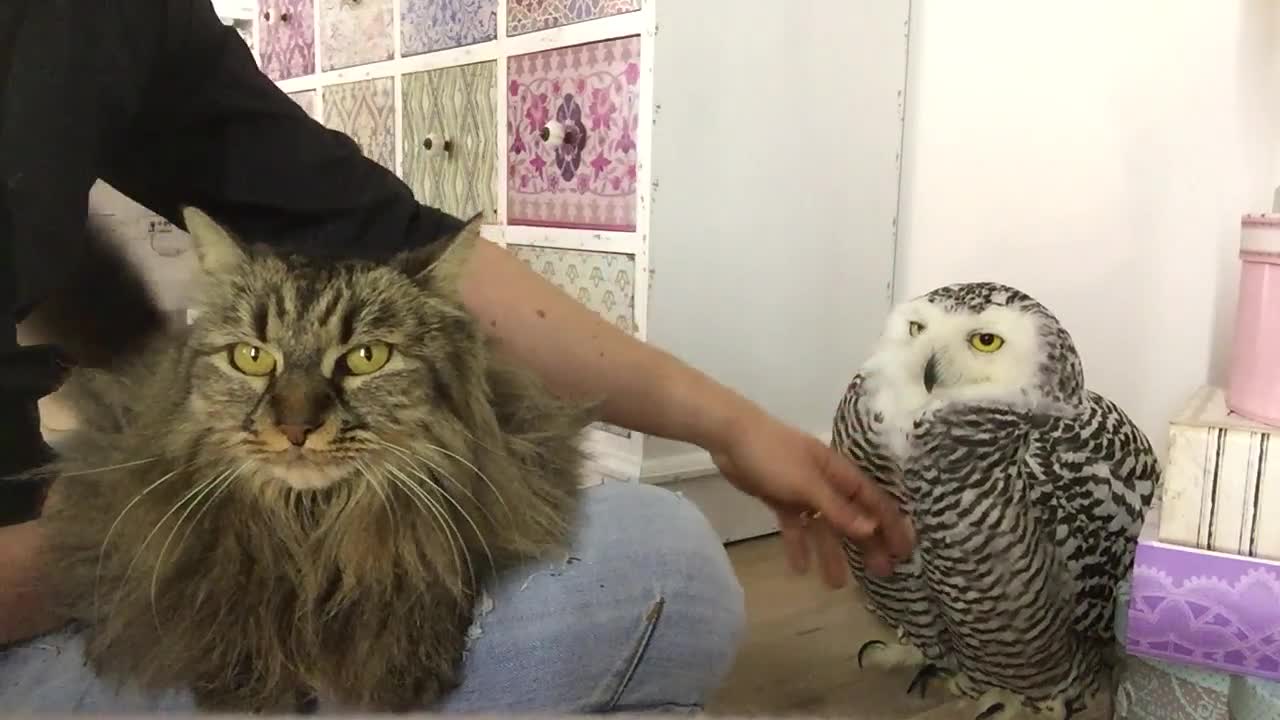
{"type": "Point", "coordinates": [297, 434]}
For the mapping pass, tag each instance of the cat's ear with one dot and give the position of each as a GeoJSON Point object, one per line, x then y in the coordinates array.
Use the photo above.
{"type": "Point", "coordinates": [439, 264]}
{"type": "Point", "coordinates": [217, 252]}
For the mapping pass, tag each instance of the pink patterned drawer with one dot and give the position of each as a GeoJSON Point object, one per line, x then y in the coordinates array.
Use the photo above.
{"type": "Point", "coordinates": [571, 119]}
{"type": "Point", "coordinates": [604, 282]}
{"type": "Point", "coordinates": [431, 25]}
{"type": "Point", "coordinates": [1207, 609]}
{"type": "Point", "coordinates": [356, 32]}
{"type": "Point", "coordinates": [365, 111]}
{"type": "Point", "coordinates": [287, 37]}
{"type": "Point", "coordinates": [529, 15]}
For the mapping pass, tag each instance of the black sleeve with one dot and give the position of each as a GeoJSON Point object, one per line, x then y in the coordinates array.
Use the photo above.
{"type": "Point", "coordinates": [216, 133]}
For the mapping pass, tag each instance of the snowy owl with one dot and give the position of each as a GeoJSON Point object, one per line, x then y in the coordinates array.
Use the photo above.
{"type": "Point", "coordinates": [1027, 492]}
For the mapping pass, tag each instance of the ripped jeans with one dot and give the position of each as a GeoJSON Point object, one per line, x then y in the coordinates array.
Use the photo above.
{"type": "Point", "coordinates": [644, 614]}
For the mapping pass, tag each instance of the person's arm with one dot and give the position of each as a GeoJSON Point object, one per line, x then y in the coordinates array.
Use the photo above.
{"type": "Point", "coordinates": [24, 607]}
{"type": "Point", "coordinates": [581, 355]}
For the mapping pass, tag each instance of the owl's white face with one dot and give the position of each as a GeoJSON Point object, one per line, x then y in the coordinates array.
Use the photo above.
{"type": "Point", "coordinates": [941, 356]}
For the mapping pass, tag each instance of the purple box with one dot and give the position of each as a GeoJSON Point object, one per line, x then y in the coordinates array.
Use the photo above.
{"type": "Point", "coordinates": [1204, 608]}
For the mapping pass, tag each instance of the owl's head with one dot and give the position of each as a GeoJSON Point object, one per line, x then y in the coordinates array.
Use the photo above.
{"type": "Point", "coordinates": [981, 341]}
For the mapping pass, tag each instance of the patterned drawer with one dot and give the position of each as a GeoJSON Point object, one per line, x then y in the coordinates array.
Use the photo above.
{"type": "Point", "coordinates": [287, 36]}
{"type": "Point", "coordinates": [431, 25]}
{"type": "Point", "coordinates": [355, 32]}
{"type": "Point", "coordinates": [306, 100]}
{"type": "Point", "coordinates": [571, 119]}
{"type": "Point", "coordinates": [529, 15]}
{"type": "Point", "coordinates": [365, 110]}
{"type": "Point", "coordinates": [604, 282]}
{"type": "Point", "coordinates": [450, 158]}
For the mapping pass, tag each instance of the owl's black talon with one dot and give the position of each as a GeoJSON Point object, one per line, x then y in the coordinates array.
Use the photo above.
{"type": "Point", "coordinates": [867, 646]}
{"type": "Point", "coordinates": [990, 711]}
{"type": "Point", "coordinates": [926, 673]}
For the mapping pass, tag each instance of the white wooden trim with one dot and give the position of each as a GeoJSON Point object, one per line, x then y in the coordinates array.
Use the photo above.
{"type": "Point", "coordinates": [501, 140]}
{"type": "Point", "coordinates": [611, 455]}
{"type": "Point", "coordinates": [628, 243]}
{"type": "Point", "coordinates": [587, 31]}
{"type": "Point", "coordinates": [398, 89]}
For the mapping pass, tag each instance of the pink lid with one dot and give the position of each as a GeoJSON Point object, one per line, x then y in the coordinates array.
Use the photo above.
{"type": "Point", "coordinates": [1260, 220]}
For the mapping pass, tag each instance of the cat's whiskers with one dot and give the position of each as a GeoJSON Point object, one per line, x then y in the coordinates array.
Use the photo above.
{"type": "Point", "coordinates": [102, 551]}
{"type": "Point", "coordinates": [91, 471]}
{"type": "Point", "coordinates": [147, 540]}
{"type": "Point", "coordinates": [209, 487]}
{"type": "Point", "coordinates": [426, 505]}
{"type": "Point", "coordinates": [410, 458]}
{"type": "Point", "coordinates": [460, 459]}
{"type": "Point", "coordinates": [377, 487]}
{"type": "Point", "coordinates": [465, 514]}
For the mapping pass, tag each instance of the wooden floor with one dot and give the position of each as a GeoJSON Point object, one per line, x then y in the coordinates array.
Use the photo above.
{"type": "Point", "coordinates": [800, 653]}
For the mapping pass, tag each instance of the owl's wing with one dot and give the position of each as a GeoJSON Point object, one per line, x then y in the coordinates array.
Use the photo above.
{"type": "Point", "coordinates": [1093, 477]}
{"type": "Point", "coordinates": [858, 432]}
{"type": "Point", "coordinates": [862, 433]}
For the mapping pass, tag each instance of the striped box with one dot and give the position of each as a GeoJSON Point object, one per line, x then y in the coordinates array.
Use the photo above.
{"type": "Point", "coordinates": [1220, 480]}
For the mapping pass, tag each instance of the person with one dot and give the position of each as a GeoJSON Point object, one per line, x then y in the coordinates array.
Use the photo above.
{"type": "Point", "coordinates": [166, 104]}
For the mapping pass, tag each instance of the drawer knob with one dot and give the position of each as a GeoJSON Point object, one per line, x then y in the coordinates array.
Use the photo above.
{"type": "Point", "coordinates": [284, 16]}
{"type": "Point", "coordinates": [266, 15]}
{"type": "Point", "coordinates": [435, 145]}
{"type": "Point", "coordinates": [555, 134]}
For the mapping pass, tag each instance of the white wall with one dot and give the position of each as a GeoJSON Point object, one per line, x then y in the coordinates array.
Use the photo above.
{"type": "Point", "coordinates": [776, 150]}
{"type": "Point", "coordinates": [1097, 154]}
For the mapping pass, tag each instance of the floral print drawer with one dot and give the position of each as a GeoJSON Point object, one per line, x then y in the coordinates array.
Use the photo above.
{"type": "Point", "coordinates": [529, 15]}
{"type": "Point", "coordinates": [604, 282]}
{"type": "Point", "coordinates": [355, 32]}
{"type": "Point", "coordinates": [365, 111]}
{"type": "Point", "coordinates": [431, 25]}
{"type": "Point", "coordinates": [286, 37]}
{"type": "Point", "coordinates": [449, 147]}
{"type": "Point", "coordinates": [306, 100]}
{"type": "Point", "coordinates": [572, 115]}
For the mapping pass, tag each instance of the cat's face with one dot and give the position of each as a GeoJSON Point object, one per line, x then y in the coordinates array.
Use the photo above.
{"type": "Point", "coordinates": [306, 373]}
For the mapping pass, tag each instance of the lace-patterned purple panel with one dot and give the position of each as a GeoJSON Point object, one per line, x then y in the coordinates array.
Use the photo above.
{"type": "Point", "coordinates": [1211, 610]}
{"type": "Point", "coordinates": [288, 37]}
{"type": "Point", "coordinates": [529, 15]}
{"type": "Point", "coordinates": [588, 180]}
{"type": "Point", "coordinates": [431, 25]}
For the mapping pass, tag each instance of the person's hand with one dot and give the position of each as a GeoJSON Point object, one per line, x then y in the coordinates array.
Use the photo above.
{"type": "Point", "coordinates": [818, 496]}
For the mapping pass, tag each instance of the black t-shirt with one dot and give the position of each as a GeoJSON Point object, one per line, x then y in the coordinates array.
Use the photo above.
{"type": "Point", "coordinates": [165, 103]}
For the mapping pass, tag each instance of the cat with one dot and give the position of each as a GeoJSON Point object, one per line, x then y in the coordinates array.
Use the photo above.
{"type": "Point", "coordinates": [303, 494]}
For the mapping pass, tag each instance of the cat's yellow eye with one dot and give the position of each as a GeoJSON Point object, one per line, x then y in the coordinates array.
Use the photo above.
{"type": "Point", "coordinates": [367, 359]}
{"type": "Point", "coordinates": [251, 359]}
{"type": "Point", "coordinates": [986, 342]}
{"type": "Point", "coordinates": [915, 328]}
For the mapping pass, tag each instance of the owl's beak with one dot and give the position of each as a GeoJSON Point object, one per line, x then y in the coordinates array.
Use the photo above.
{"type": "Point", "coordinates": [931, 373]}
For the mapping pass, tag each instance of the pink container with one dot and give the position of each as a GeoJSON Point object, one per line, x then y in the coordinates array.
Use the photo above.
{"type": "Point", "coordinates": [1253, 386]}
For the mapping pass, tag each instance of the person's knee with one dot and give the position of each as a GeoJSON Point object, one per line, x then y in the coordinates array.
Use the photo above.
{"type": "Point", "coordinates": [696, 616]}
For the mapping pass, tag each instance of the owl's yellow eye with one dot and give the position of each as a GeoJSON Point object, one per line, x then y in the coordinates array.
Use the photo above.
{"type": "Point", "coordinates": [251, 359]}
{"type": "Point", "coordinates": [986, 342]}
{"type": "Point", "coordinates": [915, 328]}
{"type": "Point", "coordinates": [367, 359]}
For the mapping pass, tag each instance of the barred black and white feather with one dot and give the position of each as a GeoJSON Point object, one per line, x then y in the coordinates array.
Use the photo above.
{"type": "Point", "coordinates": [1027, 492]}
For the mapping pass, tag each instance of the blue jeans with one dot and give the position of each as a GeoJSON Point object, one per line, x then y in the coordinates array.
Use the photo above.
{"type": "Point", "coordinates": [644, 614]}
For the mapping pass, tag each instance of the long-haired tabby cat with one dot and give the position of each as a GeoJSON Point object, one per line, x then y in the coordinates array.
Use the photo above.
{"type": "Point", "coordinates": [302, 494]}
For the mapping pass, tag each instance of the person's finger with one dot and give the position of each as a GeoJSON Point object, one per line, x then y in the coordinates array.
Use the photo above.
{"type": "Point", "coordinates": [862, 491]}
{"type": "Point", "coordinates": [847, 518]}
{"type": "Point", "coordinates": [835, 569]}
{"type": "Point", "coordinates": [877, 560]}
{"type": "Point", "coordinates": [794, 541]}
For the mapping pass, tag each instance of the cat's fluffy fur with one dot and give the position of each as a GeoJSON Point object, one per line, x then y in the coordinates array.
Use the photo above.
{"type": "Point", "coordinates": [203, 561]}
